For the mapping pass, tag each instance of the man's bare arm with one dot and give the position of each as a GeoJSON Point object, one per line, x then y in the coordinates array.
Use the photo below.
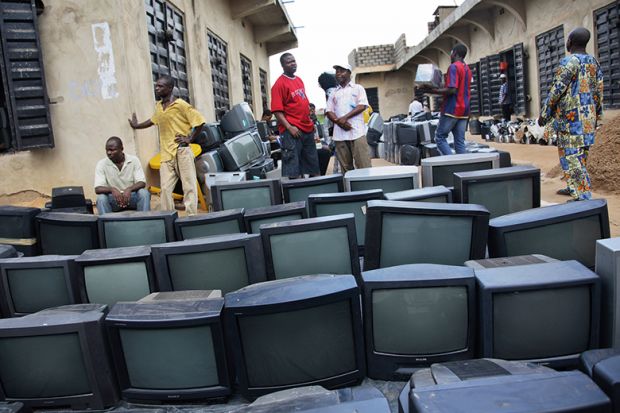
{"type": "Point", "coordinates": [133, 122]}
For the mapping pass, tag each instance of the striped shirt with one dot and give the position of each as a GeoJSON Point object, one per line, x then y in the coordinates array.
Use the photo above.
{"type": "Point", "coordinates": [458, 77]}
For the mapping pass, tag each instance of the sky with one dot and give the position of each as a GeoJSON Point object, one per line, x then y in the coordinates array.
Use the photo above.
{"type": "Point", "coordinates": [328, 30]}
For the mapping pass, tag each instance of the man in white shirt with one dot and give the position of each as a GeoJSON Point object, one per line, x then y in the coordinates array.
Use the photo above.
{"type": "Point", "coordinates": [345, 109]}
{"type": "Point", "coordinates": [415, 107]}
{"type": "Point", "coordinates": [120, 181]}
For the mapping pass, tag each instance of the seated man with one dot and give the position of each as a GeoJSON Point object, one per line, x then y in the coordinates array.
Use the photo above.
{"type": "Point", "coordinates": [120, 181]}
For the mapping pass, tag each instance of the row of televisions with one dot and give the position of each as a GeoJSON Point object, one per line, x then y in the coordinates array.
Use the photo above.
{"type": "Point", "coordinates": [323, 330]}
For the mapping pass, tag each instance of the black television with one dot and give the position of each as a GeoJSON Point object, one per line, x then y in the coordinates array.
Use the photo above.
{"type": "Point", "coordinates": [169, 350]}
{"type": "Point", "coordinates": [255, 217]}
{"type": "Point", "coordinates": [134, 228]}
{"type": "Point", "coordinates": [502, 191]}
{"type": "Point", "coordinates": [296, 332]}
{"type": "Point", "coordinates": [416, 315]}
{"type": "Point", "coordinates": [224, 262]}
{"type": "Point", "coordinates": [323, 245]}
{"type": "Point", "coordinates": [241, 151]}
{"type": "Point", "coordinates": [17, 228]}
{"type": "Point", "coordinates": [31, 284]}
{"type": "Point", "coordinates": [545, 313]}
{"type": "Point", "coordinates": [439, 170]}
{"type": "Point", "coordinates": [295, 190]}
{"type": "Point", "coordinates": [437, 193]}
{"type": "Point", "coordinates": [564, 231]}
{"type": "Point", "coordinates": [212, 223]}
{"type": "Point", "coordinates": [403, 232]}
{"type": "Point", "coordinates": [238, 119]}
{"type": "Point", "coordinates": [248, 194]}
{"type": "Point", "coordinates": [56, 358]}
{"type": "Point", "coordinates": [107, 276]}
{"type": "Point", "coordinates": [66, 233]}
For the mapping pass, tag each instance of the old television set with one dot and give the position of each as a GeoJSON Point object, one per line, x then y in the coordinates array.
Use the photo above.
{"type": "Point", "coordinates": [439, 170]}
{"type": "Point", "coordinates": [17, 228]}
{"type": "Point", "coordinates": [210, 137]}
{"type": "Point", "coordinates": [322, 205]}
{"type": "Point", "coordinates": [255, 217]}
{"type": "Point", "coordinates": [107, 276]}
{"type": "Point", "coordinates": [375, 129]}
{"type": "Point", "coordinates": [238, 119]}
{"type": "Point", "coordinates": [296, 332]}
{"type": "Point", "coordinates": [57, 358]}
{"type": "Point", "coordinates": [241, 151]}
{"type": "Point", "coordinates": [323, 245]}
{"type": "Point", "coordinates": [225, 262]}
{"type": "Point", "coordinates": [608, 268]}
{"type": "Point", "coordinates": [263, 129]}
{"type": "Point", "coordinates": [295, 190]}
{"type": "Point", "coordinates": [437, 193]}
{"type": "Point", "coordinates": [545, 313]}
{"type": "Point", "coordinates": [416, 315]}
{"type": "Point", "coordinates": [134, 228]}
{"type": "Point", "coordinates": [502, 191]}
{"type": "Point", "coordinates": [387, 178]}
{"type": "Point", "coordinates": [212, 223]}
{"type": "Point", "coordinates": [564, 231]}
{"type": "Point", "coordinates": [249, 194]}
{"type": "Point", "coordinates": [31, 284]}
{"type": "Point", "coordinates": [169, 349]}
{"type": "Point", "coordinates": [424, 232]}
{"type": "Point", "coordinates": [66, 233]}
{"type": "Point", "coordinates": [8, 251]}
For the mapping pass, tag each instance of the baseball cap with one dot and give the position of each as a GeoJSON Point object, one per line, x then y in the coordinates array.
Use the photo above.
{"type": "Point", "coordinates": [343, 65]}
{"type": "Point", "coordinates": [502, 76]}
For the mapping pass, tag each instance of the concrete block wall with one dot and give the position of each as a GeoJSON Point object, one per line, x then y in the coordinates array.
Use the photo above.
{"type": "Point", "coordinates": [377, 55]}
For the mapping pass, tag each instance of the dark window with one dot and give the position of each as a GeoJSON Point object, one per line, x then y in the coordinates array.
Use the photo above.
{"type": "Point", "coordinates": [246, 80]}
{"type": "Point", "coordinates": [607, 24]}
{"type": "Point", "coordinates": [263, 88]}
{"type": "Point", "coordinates": [549, 50]}
{"type": "Point", "coordinates": [474, 90]}
{"type": "Point", "coordinates": [373, 98]}
{"type": "Point", "coordinates": [218, 58]}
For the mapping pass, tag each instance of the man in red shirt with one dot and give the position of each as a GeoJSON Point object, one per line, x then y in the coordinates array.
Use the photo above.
{"type": "Point", "coordinates": [291, 107]}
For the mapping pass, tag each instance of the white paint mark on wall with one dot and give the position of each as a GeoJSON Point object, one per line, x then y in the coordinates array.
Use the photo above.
{"type": "Point", "coordinates": [105, 60]}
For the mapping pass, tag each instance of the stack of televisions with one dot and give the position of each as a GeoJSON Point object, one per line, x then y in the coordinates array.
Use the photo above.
{"type": "Point", "coordinates": [126, 307]}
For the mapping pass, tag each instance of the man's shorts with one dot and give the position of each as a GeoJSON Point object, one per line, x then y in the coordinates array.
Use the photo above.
{"type": "Point", "coordinates": [299, 155]}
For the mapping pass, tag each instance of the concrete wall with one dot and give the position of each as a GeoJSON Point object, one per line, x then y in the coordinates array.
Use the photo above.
{"type": "Point", "coordinates": [395, 90]}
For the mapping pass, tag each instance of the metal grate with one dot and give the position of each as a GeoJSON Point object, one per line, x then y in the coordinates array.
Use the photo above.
{"type": "Point", "coordinates": [262, 75]}
{"type": "Point", "coordinates": [607, 25]}
{"type": "Point", "coordinates": [474, 90]}
{"type": "Point", "coordinates": [486, 100]}
{"type": "Point", "coordinates": [549, 51]}
{"type": "Point", "coordinates": [520, 80]}
{"type": "Point", "coordinates": [246, 80]}
{"type": "Point", "coordinates": [218, 58]}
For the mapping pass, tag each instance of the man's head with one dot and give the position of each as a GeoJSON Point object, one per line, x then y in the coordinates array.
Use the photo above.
{"type": "Point", "coordinates": [578, 39]}
{"type": "Point", "coordinates": [114, 149]}
{"type": "Point", "coordinates": [503, 78]}
{"type": "Point", "coordinates": [343, 73]}
{"type": "Point", "coordinates": [289, 65]}
{"type": "Point", "coordinates": [266, 115]}
{"type": "Point", "coordinates": [459, 51]}
{"type": "Point", "coordinates": [327, 81]}
{"type": "Point", "coordinates": [164, 86]}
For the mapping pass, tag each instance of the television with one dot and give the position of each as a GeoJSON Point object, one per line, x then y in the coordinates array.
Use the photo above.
{"type": "Point", "coordinates": [238, 119]}
{"type": "Point", "coordinates": [295, 190]}
{"type": "Point", "coordinates": [134, 228]}
{"type": "Point", "coordinates": [224, 262]}
{"type": "Point", "coordinates": [603, 366]}
{"type": "Point", "coordinates": [239, 152]}
{"type": "Point", "coordinates": [210, 137]}
{"type": "Point", "coordinates": [248, 194]}
{"type": "Point", "coordinates": [323, 245]}
{"type": "Point", "coordinates": [424, 232]}
{"type": "Point", "coordinates": [255, 217]}
{"type": "Point", "coordinates": [31, 284]}
{"type": "Point", "coordinates": [212, 223]}
{"type": "Point", "coordinates": [439, 170]}
{"type": "Point", "coordinates": [545, 313]}
{"type": "Point", "coordinates": [375, 129]}
{"type": "Point", "coordinates": [437, 193]}
{"type": "Point", "coordinates": [106, 276]}
{"type": "Point", "coordinates": [263, 130]}
{"type": "Point", "coordinates": [296, 332]}
{"type": "Point", "coordinates": [564, 231]}
{"type": "Point", "coordinates": [169, 350]}
{"type": "Point", "coordinates": [607, 266]}
{"type": "Point", "coordinates": [387, 178]}
{"type": "Point", "coordinates": [8, 251]}
{"type": "Point", "coordinates": [66, 233]}
{"type": "Point", "coordinates": [416, 315]}
{"type": "Point", "coordinates": [322, 205]}
{"type": "Point", "coordinates": [17, 228]}
{"type": "Point", "coordinates": [56, 358]}
{"type": "Point", "coordinates": [502, 191]}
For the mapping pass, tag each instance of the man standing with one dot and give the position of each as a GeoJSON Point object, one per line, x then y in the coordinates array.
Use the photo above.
{"type": "Point", "coordinates": [175, 119]}
{"type": "Point", "coordinates": [415, 107]}
{"type": "Point", "coordinates": [504, 97]}
{"type": "Point", "coordinates": [574, 106]}
{"type": "Point", "coordinates": [120, 181]}
{"type": "Point", "coordinates": [345, 109]}
{"type": "Point", "coordinates": [291, 107]}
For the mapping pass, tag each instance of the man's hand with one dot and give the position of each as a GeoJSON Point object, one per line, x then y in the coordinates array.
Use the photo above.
{"type": "Point", "coordinates": [182, 139]}
{"type": "Point", "coordinates": [294, 131]}
{"type": "Point", "coordinates": [343, 122]}
{"type": "Point", "coordinates": [120, 198]}
{"type": "Point", "coordinates": [133, 122]}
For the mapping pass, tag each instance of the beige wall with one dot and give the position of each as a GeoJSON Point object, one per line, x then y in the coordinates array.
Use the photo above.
{"type": "Point", "coordinates": [395, 90]}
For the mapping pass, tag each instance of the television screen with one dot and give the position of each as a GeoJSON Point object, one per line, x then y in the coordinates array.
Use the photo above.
{"type": "Point", "coordinates": [416, 315]}
{"type": "Point", "coordinates": [421, 232]}
{"type": "Point", "coordinates": [439, 170]}
{"type": "Point", "coordinates": [545, 312]}
{"type": "Point", "coordinates": [437, 193]}
{"type": "Point", "coordinates": [564, 231]}
{"type": "Point", "coordinates": [325, 245]}
{"type": "Point", "coordinates": [296, 332]}
{"type": "Point", "coordinates": [256, 217]}
{"type": "Point", "coordinates": [132, 228]}
{"type": "Point", "coordinates": [169, 350]}
{"type": "Point", "coordinates": [65, 233]}
{"type": "Point", "coordinates": [241, 150]}
{"type": "Point", "coordinates": [295, 190]}
{"type": "Point", "coordinates": [17, 228]}
{"type": "Point", "coordinates": [212, 223]}
{"type": "Point", "coordinates": [249, 194]}
{"type": "Point", "coordinates": [116, 274]}
{"type": "Point", "coordinates": [30, 284]}
{"type": "Point", "coordinates": [56, 357]}
{"type": "Point", "coordinates": [225, 262]}
{"type": "Point", "coordinates": [238, 119]}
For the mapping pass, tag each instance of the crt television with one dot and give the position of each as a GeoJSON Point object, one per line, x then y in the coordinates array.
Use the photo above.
{"type": "Point", "coordinates": [66, 233]}
{"type": "Point", "coordinates": [212, 223]}
{"type": "Point", "coordinates": [502, 191]}
{"type": "Point", "coordinates": [239, 152]}
{"type": "Point", "coordinates": [238, 119]}
{"type": "Point", "coordinates": [31, 284]}
{"type": "Point", "coordinates": [56, 358]}
{"type": "Point", "coordinates": [437, 193]}
{"type": "Point", "coordinates": [248, 194]}
{"type": "Point", "coordinates": [133, 228]}
{"type": "Point", "coordinates": [608, 268]}
{"type": "Point", "coordinates": [169, 350]}
{"type": "Point", "coordinates": [296, 332]}
{"type": "Point", "coordinates": [255, 217]}
{"type": "Point", "coordinates": [402, 232]}
{"type": "Point", "coordinates": [387, 178]}
{"type": "Point", "coordinates": [546, 313]}
{"type": "Point", "coordinates": [439, 170]}
{"type": "Point", "coordinates": [564, 231]}
{"type": "Point", "coordinates": [225, 262]}
{"type": "Point", "coordinates": [17, 228]}
{"type": "Point", "coordinates": [416, 315]}
{"type": "Point", "coordinates": [295, 190]}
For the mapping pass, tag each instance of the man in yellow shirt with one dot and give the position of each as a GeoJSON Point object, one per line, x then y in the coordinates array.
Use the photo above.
{"type": "Point", "coordinates": [175, 119]}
